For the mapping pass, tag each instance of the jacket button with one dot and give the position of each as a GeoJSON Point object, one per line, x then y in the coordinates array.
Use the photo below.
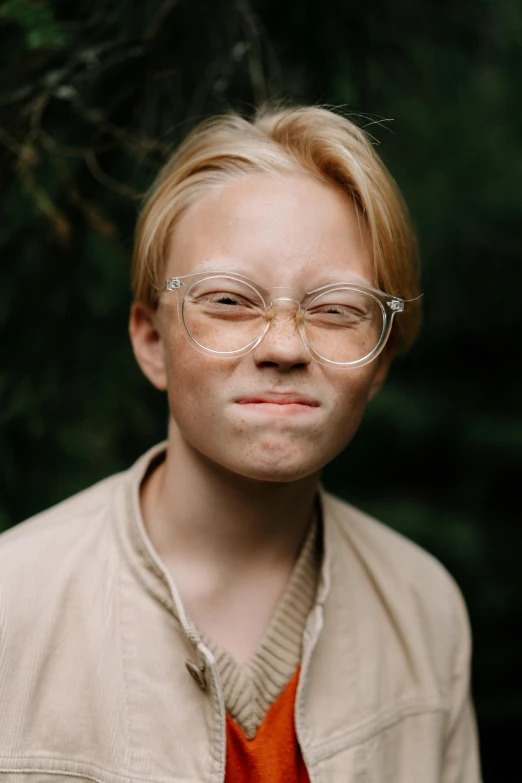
{"type": "Point", "coordinates": [197, 674]}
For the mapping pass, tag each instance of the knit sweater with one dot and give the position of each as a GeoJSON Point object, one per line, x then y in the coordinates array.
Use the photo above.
{"type": "Point", "coordinates": [274, 756]}
{"type": "Point", "coordinates": [250, 690]}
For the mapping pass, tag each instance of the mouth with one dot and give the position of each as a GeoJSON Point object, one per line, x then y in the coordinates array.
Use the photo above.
{"type": "Point", "coordinates": [278, 398]}
{"type": "Point", "coordinates": [279, 403]}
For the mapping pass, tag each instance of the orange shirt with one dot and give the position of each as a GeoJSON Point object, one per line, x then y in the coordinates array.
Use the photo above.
{"type": "Point", "coordinates": [274, 755]}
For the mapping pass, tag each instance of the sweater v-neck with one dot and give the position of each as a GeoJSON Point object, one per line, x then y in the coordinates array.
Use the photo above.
{"type": "Point", "coordinates": [249, 690]}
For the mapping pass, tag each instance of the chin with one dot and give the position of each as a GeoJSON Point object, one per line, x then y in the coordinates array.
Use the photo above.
{"type": "Point", "coordinates": [266, 459]}
{"type": "Point", "coordinates": [275, 472]}
{"type": "Point", "coordinates": [276, 477]}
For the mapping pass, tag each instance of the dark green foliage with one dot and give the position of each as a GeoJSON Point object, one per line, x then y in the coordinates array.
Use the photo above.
{"type": "Point", "coordinates": [92, 97]}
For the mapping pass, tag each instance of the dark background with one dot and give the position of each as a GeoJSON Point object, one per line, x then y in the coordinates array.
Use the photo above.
{"type": "Point", "coordinates": [94, 94]}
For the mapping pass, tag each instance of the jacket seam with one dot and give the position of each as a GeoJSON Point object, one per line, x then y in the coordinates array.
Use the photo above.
{"type": "Point", "coordinates": [65, 771]}
{"type": "Point", "coordinates": [361, 733]}
{"type": "Point", "coordinates": [43, 770]}
{"type": "Point", "coordinates": [39, 771]}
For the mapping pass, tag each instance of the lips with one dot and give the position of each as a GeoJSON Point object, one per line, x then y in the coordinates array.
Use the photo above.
{"type": "Point", "coordinates": [278, 398]}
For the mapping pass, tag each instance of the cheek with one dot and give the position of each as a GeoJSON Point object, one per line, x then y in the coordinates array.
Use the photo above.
{"type": "Point", "coordinates": [194, 382]}
{"type": "Point", "coordinates": [188, 390]}
{"type": "Point", "coordinates": [349, 397]}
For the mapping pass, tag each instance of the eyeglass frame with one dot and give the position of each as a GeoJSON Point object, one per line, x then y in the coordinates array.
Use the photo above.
{"type": "Point", "coordinates": [389, 305]}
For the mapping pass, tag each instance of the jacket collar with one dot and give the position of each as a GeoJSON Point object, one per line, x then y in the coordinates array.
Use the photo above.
{"type": "Point", "coordinates": [147, 565]}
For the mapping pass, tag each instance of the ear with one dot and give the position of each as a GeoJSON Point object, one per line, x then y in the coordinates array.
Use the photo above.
{"type": "Point", "coordinates": [383, 365]}
{"type": "Point", "coordinates": [147, 344]}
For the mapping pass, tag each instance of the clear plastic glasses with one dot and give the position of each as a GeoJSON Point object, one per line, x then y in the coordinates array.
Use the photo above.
{"type": "Point", "coordinates": [227, 314]}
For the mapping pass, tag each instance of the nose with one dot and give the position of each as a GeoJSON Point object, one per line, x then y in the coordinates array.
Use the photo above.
{"type": "Point", "coordinates": [282, 346]}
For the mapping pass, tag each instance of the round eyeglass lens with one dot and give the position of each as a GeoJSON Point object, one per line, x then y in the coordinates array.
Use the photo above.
{"type": "Point", "coordinates": [344, 325]}
{"type": "Point", "coordinates": [223, 315]}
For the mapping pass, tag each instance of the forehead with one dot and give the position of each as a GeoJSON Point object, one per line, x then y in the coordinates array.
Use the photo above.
{"type": "Point", "coordinates": [275, 229]}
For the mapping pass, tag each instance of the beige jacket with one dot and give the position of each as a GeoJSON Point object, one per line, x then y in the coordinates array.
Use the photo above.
{"type": "Point", "coordinates": [93, 677]}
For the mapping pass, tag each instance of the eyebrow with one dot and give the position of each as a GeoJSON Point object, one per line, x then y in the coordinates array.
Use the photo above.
{"type": "Point", "coordinates": [349, 278]}
{"type": "Point", "coordinates": [216, 266]}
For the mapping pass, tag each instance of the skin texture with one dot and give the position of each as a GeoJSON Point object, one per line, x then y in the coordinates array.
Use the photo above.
{"type": "Point", "coordinates": [249, 473]}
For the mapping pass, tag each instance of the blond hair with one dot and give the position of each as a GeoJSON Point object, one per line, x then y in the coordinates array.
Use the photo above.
{"type": "Point", "coordinates": [284, 141]}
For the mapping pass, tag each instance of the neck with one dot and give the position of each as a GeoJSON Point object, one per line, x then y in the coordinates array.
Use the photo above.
{"type": "Point", "coordinates": [201, 515]}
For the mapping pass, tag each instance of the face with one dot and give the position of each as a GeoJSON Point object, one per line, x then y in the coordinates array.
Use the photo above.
{"type": "Point", "coordinates": [274, 414]}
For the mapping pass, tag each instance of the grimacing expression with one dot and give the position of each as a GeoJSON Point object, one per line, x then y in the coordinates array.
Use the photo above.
{"type": "Point", "coordinates": [279, 231]}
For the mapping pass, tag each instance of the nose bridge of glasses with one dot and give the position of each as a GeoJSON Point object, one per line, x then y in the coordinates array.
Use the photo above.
{"type": "Point", "coordinates": [283, 298]}
{"type": "Point", "coordinates": [285, 303]}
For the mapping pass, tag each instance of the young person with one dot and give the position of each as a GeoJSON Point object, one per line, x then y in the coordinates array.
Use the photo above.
{"type": "Point", "coordinates": [212, 613]}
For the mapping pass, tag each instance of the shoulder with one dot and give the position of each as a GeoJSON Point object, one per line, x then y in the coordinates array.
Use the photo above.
{"type": "Point", "coordinates": [54, 529]}
{"type": "Point", "coordinates": [51, 532]}
{"type": "Point", "coordinates": [47, 559]}
{"type": "Point", "coordinates": [407, 584]}
{"type": "Point", "coordinates": [61, 557]}
{"type": "Point", "coordinates": [396, 557]}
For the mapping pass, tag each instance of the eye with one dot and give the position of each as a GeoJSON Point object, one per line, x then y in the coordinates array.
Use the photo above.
{"type": "Point", "coordinates": [335, 309]}
{"type": "Point", "coordinates": [342, 310]}
{"type": "Point", "coordinates": [343, 307]}
{"type": "Point", "coordinates": [225, 305]}
{"type": "Point", "coordinates": [226, 299]}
